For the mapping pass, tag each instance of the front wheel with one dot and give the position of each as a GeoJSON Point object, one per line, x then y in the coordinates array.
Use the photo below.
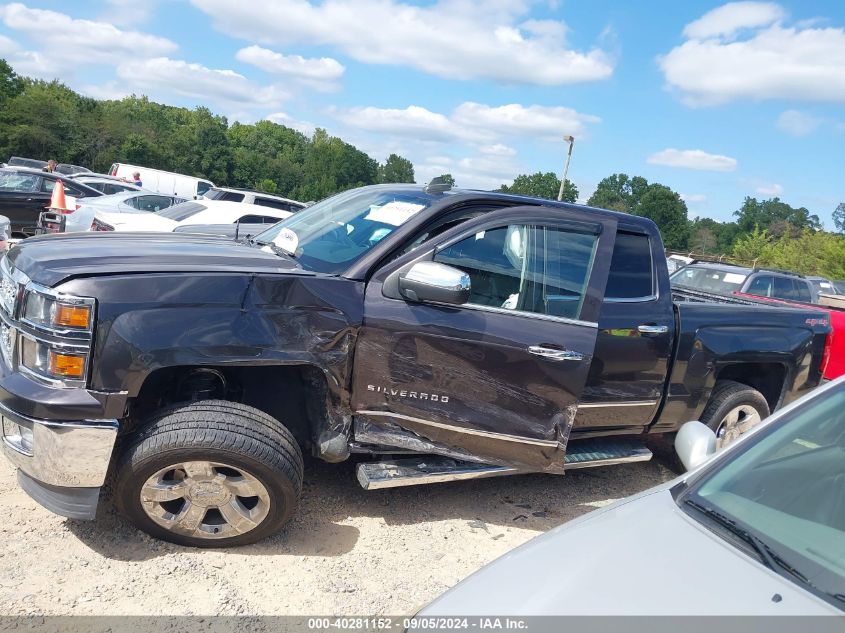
{"type": "Point", "coordinates": [210, 474]}
{"type": "Point", "coordinates": [733, 410]}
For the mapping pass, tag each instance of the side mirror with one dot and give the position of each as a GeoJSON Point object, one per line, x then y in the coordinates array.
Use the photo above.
{"type": "Point", "coordinates": [430, 281]}
{"type": "Point", "coordinates": [695, 443]}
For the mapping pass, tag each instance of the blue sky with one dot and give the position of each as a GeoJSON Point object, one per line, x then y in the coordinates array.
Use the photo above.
{"type": "Point", "coordinates": [716, 100]}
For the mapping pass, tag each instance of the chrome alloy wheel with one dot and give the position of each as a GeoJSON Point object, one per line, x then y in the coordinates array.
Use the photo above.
{"type": "Point", "coordinates": [205, 500]}
{"type": "Point", "coordinates": [737, 422]}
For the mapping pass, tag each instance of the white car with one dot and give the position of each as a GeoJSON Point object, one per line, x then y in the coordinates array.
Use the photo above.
{"type": "Point", "coordinates": [756, 529]}
{"type": "Point", "coordinates": [248, 196]}
{"type": "Point", "coordinates": [192, 212]}
{"type": "Point", "coordinates": [107, 184]}
{"type": "Point", "coordinates": [136, 201]}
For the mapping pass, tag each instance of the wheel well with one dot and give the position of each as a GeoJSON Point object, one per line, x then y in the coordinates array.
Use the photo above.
{"type": "Point", "coordinates": [293, 394]}
{"type": "Point", "coordinates": [767, 378]}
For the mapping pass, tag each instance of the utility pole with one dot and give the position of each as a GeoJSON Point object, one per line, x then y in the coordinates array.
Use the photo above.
{"type": "Point", "coordinates": [571, 140]}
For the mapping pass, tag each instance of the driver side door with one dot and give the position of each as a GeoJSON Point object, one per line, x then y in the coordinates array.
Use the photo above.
{"type": "Point", "coordinates": [500, 374]}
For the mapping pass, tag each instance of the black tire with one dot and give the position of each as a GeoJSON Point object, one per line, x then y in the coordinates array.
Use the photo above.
{"type": "Point", "coordinates": [232, 436]}
{"type": "Point", "coordinates": [727, 396]}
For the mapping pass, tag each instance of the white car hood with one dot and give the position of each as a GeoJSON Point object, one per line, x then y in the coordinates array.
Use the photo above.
{"type": "Point", "coordinates": [137, 221]}
{"type": "Point", "coordinates": [644, 556]}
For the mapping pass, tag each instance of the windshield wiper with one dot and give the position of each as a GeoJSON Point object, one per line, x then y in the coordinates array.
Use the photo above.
{"type": "Point", "coordinates": [770, 559]}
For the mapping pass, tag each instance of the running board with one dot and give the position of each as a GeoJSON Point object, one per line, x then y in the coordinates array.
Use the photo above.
{"type": "Point", "coordinates": [423, 470]}
{"type": "Point", "coordinates": [604, 452]}
{"type": "Point", "coordinates": [435, 469]}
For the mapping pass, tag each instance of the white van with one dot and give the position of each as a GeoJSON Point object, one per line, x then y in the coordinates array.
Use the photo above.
{"type": "Point", "coordinates": [164, 182]}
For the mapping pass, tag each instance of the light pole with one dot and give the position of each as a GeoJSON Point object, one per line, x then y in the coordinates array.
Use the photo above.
{"type": "Point", "coordinates": [571, 140]}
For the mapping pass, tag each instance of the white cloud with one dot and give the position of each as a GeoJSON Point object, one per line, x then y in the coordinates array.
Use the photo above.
{"type": "Point", "coordinates": [8, 46]}
{"type": "Point", "coordinates": [772, 189]}
{"type": "Point", "coordinates": [317, 72]}
{"type": "Point", "coordinates": [468, 39]}
{"type": "Point", "coordinates": [549, 122]}
{"type": "Point", "coordinates": [730, 18]}
{"type": "Point", "coordinates": [497, 149]}
{"type": "Point", "coordinates": [693, 198]}
{"type": "Point", "coordinates": [797, 123]}
{"type": "Point", "coordinates": [67, 42]}
{"type": "Point", "coordinates": [306, 127]}
{"type": "Point", "coordinates": [195, 81]}
{"type": "Point", "coordinates": [129, 12]}
{"type": "Point", "coordinates": [717, 64]}
{"type": "Point", "coordinates": [692, 159]}
{"type": "Point", "coordinates": [473, 122]}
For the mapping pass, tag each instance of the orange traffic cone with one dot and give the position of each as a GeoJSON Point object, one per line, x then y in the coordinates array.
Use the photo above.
{"type": "Point", "coordinates": [57, 201]}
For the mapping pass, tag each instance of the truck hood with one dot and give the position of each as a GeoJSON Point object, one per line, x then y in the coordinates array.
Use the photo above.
{"type": "Point", "coordinates": [52, 259]}
{"type": "Point", "coordinates": [641, 556]}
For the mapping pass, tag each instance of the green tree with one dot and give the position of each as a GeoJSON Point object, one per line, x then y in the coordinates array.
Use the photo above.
{"type": "Point", "coordinates": [765, 213]}
{"type": "Point", "coordinates": [752, 246]}
{"type": "Point", "coordinates": [839, 217]}
{"type": "Point", "coordinates": [541, 185]}
{"type": "Point", "coordinates": [10, 84]}
{"type": "Point", "coordinates": [396, 169]}
{"type": "Point", "coordinates": [448, 179]}
{"type": "Point", "coordinates": [619, 192]}
{"type": "Point", "coordinates": [668, 211]}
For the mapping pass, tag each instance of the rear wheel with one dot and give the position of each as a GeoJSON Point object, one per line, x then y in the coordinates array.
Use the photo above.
{"type": "Point", "coordinates": [733, 410]}
{"type": "Point", "coordinates": [210, 474]}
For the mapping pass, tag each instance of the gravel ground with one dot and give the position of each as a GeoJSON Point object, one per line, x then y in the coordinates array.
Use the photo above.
{"type": "Point", "coordinates": [346, 552]}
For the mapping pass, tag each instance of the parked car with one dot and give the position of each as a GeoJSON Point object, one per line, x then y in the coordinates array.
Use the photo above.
{"type": "Point", "coordinates": [676, 262]}
{"type": "Point", "coordinates": [476, 333]}
{"type": "Point", "coordinates": [186, 214]}
{"type": "Point", "coordinates": [167, 183]}
{"type": "Point", "coordinates": [728, 278]}
{"type": "Point", "coordinates": [757, 530]}
{"type": "Point", "coordinates": [5, 233]}
{"type": "Point", "coordinates": [67, 169]}
{"type": "Point", "coordinates": [253, 197]}
{"type": "Point", "coordinates": [31, 163]}
{"type": "Point", "coordinates": [25, 193]}
{"type": "Point", "coordinates": [821, 285]}
{"type": "Point", "coordinates": [107, 184]}
{"type": "Point", "coordinates": [839, 284]}
{"type": "Point", "coordinates": [135, 201]}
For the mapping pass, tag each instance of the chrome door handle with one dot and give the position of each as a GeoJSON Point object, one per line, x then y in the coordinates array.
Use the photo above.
{"type": "Point", "coordinates": [555, 354]}
{"type": "Point", "coordinates": [653, 329]}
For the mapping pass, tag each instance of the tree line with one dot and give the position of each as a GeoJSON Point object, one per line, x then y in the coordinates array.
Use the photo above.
{"type": "Point", "coordinates": [40, 119]}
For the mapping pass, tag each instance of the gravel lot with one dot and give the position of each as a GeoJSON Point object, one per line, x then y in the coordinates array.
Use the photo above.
{"type": "Point", "coordinates": [347, 552]}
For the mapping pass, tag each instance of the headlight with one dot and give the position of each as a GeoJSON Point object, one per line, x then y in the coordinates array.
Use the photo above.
{"type": "Point", "coordinates": [58, 312]}
{"type": "Point", "coordinates": [66, 365]}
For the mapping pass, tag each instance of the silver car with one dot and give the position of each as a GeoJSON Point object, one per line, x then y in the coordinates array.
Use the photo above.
{"type": "Point", "coordinates": [757, 529]}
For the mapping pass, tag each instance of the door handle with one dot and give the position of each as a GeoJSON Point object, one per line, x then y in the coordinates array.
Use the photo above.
{"type": "Point", "coordinates": [653, 329]}
{"type": "Point", "coordinates": [555, 354]}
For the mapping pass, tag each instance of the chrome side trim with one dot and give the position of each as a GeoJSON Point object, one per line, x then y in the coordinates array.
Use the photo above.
{"type": "Point", "coordinates": [529, 315]}
{"type": "Point", "coordinates": [642, 455]}
{"type": "Point", "coordinates": [597, 405]}
{"type": "Point", "coordinates": [459, 429]}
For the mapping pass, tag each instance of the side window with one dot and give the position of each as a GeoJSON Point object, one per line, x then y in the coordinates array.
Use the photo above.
{"type": "Point", "coordinates": [203, 186]}
{"type": "Point", "coordinates": [231, 196]}
{"type": "Point", "coordinates": [47, 185]}
{"type": "Point", "coordinates": [760, 286]}
{"type": "Point", "coordinates": [631, 271]}
{"type": "Point", "coordinates": [784, 288]}
{"type": "Point", "coordinates": [273, 204]}
{"type": "Point", "coordinates": [258, 219]}
{"type": "Point", "coordinates": [152, 203]}
{"type": "Point", "coordinates": [802, 291]}
{"type": "Point", "coordinates": [535, 269]}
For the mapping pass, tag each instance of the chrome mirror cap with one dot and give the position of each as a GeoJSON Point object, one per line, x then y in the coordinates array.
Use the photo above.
{"type": "Point", "coordinates": [432, 281]}
{"type": "Point", "coordinates": [695, 443]}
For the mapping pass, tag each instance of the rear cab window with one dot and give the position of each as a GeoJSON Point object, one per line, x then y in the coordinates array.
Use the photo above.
{"type": "Point", "coordinates": [631, 275]}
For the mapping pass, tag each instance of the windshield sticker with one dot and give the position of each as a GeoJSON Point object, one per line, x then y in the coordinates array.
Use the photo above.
{"type": "Point", "coordinates": [287, 241]}
{"type": "Point", "coordinates": [395, 213]}
{"type": "Point", "coordinates": [733, 278]}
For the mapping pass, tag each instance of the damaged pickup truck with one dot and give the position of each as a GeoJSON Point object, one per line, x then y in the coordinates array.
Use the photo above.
{"type": "Point", "coordinates": [434, 333]}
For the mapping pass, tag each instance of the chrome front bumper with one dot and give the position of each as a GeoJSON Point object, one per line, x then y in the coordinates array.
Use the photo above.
{"type": "Point", "coordinates": [58, 457]}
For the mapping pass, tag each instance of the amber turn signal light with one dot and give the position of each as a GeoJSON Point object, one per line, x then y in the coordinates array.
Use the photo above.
{"type": "Point", "coordinates": [67, 365]}
{"type": "Point", "coordinates": [72, 315]}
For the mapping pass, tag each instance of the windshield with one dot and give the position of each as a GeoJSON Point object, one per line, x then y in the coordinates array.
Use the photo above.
{"type": "Point", "coordinates": [182, 211]}
{"type": "Point", "coordinates": [708, 279]}
{"type": "Point", "coordinates": [331, 235]}
{"type": "Point", "coordinates": [787, 489]}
